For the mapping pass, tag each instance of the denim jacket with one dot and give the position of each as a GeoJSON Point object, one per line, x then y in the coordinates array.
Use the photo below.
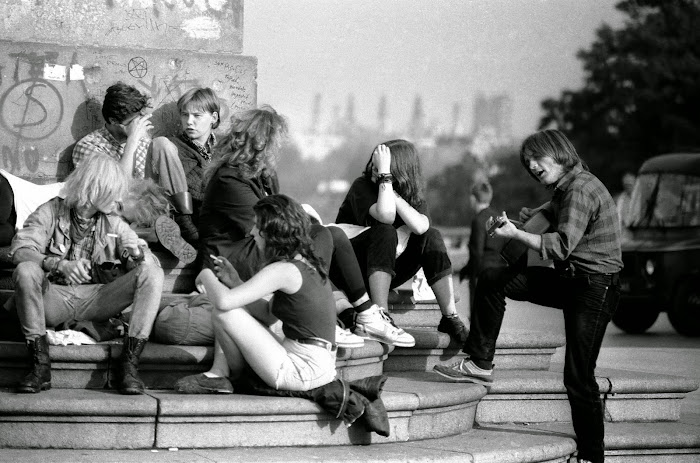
{"type": "Point", "coordinates": [47, 231]}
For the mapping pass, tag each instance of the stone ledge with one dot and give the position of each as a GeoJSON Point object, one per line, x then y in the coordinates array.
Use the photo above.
{"type": "Point", "coordinates": [91, 366]}
{"type": "Point", "coordinates": [83, 418]}
{"type": "Point", "coordinates": [540, 396]}
{"type": "Point", "coordinates": [522, 349]}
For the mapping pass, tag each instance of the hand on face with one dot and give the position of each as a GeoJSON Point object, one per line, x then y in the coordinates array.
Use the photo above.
{"type": "Point", "coordinates": [381, 160]}
{"type": "Point", "coordinates": [138, 127]}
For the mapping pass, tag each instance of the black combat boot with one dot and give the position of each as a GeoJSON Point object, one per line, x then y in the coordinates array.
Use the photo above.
{"type": "Point", "coordinates": [39, 377]}
{"type": "Point", "coordinates": [128, 381]}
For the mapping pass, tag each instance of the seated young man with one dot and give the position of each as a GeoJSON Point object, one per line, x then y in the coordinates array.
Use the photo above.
{"type": "Point", "coordinates": [125, 138]}
{"type": "Point", "coordinates": [77, 260]}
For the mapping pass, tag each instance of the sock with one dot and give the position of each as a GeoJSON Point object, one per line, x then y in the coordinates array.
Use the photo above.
{"type": "Point", "coordinates": [364, 306]}
{"type": "Point", "coordinates": [483, 364]}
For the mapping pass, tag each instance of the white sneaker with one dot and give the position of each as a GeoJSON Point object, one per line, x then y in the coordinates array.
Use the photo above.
{"type": "Point", "coordinates": [345, 339]}
{"type": "Point", "coordinates": [377, 325]}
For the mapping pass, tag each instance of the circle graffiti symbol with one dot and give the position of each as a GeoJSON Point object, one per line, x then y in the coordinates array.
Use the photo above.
{"type": "Point", "coordinates": [31, 109]}
{"type": "Point", "coordinates": [138, 67]}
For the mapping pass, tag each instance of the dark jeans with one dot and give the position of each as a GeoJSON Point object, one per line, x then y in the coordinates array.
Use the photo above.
{"type": "Point", "coordinates": [376, 251]}
{"type": "Point", "coordinates": [588, 302]}
{"type": "Point", "coordinates": [345, 270]}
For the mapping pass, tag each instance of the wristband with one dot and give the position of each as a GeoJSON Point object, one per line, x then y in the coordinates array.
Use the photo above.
{"type": "Point", "coordinates": [385, 178]}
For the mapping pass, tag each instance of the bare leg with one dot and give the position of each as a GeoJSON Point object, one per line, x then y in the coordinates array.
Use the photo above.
{"type": "Point", "coordinates": [224, 363]}
{"type": "Point", "coordinates": [244, 337]}
{"type": "Point", "coordinates": [219, 368]}
{"type": "Point", "coordinates": [444, 293]}
{"type": "Point", "coordinates": [379, 286]}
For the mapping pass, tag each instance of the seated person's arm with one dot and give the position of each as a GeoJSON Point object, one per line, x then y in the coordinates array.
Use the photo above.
{"type": "Point", "coordinates": [282, 276]}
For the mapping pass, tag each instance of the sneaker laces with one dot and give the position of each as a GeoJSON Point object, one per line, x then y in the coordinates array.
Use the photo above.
{"type": "Point", "coordinates": [388, 318]}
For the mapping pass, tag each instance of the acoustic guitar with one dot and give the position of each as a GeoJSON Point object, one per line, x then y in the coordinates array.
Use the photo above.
{"type": "Point", "coordinates": [537, 224]}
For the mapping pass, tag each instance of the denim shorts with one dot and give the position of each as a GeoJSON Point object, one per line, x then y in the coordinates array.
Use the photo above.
{"type": "Point", "coordinates": [306, 367]}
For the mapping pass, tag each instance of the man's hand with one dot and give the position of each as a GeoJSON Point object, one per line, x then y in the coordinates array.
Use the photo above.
{"type": "Point", "coordinates": [526, 213]}
{"type": "Point", "coordinates": [507, 229]}
{"type": "Point", "coordinates": [75, 272]}
{"type": "Point", "coordinates": [138, 127]}
{"type": "Point", "coordinates": [224, 271]}
{"type": "Point", "coordinates": [130, 242]}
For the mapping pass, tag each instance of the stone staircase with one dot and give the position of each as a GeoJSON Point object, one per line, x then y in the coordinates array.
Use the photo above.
{"type": "Point", "coordinates": [523, 418]}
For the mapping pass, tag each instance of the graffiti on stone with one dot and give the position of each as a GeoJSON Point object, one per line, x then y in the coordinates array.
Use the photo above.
{"type": "Point", "coordinates": [138, 67]}
{"type": "Point", "coordinates": [139, 20]}
{"type": "Point", "coordinates": [23, 109]}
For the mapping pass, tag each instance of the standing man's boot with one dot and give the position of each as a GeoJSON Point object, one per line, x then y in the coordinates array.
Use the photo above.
{"type": "Point", "coordinates": [39, 377]}
{"type": "Point", "coordinates": [128, 381]}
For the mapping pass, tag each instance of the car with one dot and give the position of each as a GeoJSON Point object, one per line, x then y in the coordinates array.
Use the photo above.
{"type": "Point", "coordinates": [661, 247]}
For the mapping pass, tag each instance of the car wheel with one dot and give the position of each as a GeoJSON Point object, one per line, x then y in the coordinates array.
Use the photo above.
{"type": "Point", "coordinates": [635, 317]}
{"type": "Point", "coordinates": [684, 313]}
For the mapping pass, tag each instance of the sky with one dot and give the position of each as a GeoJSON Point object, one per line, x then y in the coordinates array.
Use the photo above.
{"type": "Point", "coordinates": [446, 51]}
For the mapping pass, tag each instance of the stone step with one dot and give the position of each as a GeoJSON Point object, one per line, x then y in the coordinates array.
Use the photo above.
{"type": "Point", "coordinates": [658, 442]}
{"type": "Point", "coordinates": [92, 366]}
{"type": "Point", "coordinates": [545, 443]}
{"type": "Point", "coordinates": [515, 349]}
{"type": "Point", "coordinates": [102, 419]}
{"type": "Point", "coordinates": [525, 396]}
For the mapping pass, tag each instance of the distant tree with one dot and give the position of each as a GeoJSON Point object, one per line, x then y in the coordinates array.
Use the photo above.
{"type": "Point", "coordinates": [641, 95]}
{"type": "Point", "coordinates": [448, 193]}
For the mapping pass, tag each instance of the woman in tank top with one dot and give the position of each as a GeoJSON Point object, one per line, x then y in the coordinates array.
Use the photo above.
{"type": "Point", "coordinates": [302, 300]}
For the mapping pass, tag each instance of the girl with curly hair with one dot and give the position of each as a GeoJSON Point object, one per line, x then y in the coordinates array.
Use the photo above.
{"type": "Point", "coordinates": [305, 357]}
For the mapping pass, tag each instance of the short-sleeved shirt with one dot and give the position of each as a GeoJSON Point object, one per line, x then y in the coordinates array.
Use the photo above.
{"type": "Point", "coordinates": [310, 312]}
{"type": "Point", "coordinates": [101, 141]}
{"type": "Point", "coordinates": [355, 208]}
{"type": "Point", "coordinates": [586, 225]}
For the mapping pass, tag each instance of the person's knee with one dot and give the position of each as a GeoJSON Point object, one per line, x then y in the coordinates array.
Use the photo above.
{"type": "Point", "coordinates": [27, 273]}
{"type": "Point", "coordinates": [340, 239]}
{"type": "Point", "coordinates": [163, 147]}
{"type": "Point", "coordinates": [151, 273]}
{"type": "Point", "coordinates": [433, 239]}
{"type": "Point", "coordinates": [323, 242]}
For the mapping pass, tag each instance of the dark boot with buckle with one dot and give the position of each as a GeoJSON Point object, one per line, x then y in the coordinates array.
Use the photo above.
{"type": "Point", "coordinates": [128, 381]}
{"type": "Point", "coordinates": [39, 377]}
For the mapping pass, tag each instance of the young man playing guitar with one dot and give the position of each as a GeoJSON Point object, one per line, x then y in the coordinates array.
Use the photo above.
{"type": "Point", "coordinates": [584, 283]}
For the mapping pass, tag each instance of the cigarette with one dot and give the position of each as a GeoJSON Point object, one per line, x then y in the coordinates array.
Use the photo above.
{"type": "Point", "coordinates": [216, 259]}
{"type": "Point", "coordinates": [113, 235]}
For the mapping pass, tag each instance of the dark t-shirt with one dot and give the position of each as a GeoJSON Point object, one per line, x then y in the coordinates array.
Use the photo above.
{"type": "Point", "coordinates": [310, 312]}
{"type": "Point", "coordinates": [355, 208]}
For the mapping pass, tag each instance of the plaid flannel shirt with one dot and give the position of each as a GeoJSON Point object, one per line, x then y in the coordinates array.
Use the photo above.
{"type": "Point", "coordinates": [101, 141]}
{"type": "Point", "coordinates": [586, 225]}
